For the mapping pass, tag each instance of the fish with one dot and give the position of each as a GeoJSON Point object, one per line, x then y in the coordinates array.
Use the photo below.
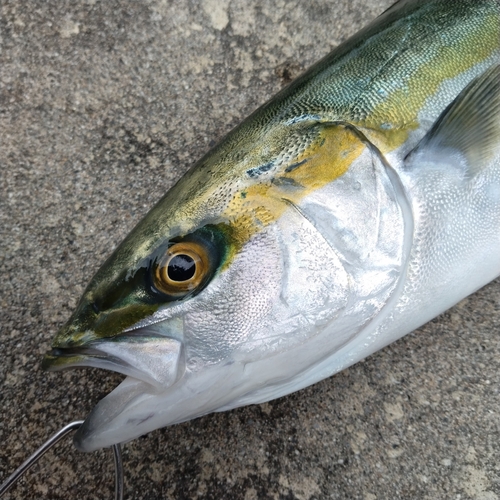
{"type": "Point", "coordinates": [359, 203]}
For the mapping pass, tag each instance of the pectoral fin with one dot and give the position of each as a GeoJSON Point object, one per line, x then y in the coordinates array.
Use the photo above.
{"type": "Point", "coordinates": [469, 128]}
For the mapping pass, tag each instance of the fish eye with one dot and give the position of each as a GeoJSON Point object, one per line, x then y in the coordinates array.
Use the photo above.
{"type": "Point", "coordinates": [182, 269]}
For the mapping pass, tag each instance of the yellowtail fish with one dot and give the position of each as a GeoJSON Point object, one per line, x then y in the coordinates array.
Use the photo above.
{"type": "Point", "coordinates": [359, 203]}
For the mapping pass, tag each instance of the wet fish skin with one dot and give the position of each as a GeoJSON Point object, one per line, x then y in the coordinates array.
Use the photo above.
{"type": "Point", "coordinates": [301, 282]}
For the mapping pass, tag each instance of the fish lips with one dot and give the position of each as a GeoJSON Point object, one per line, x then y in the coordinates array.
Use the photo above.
{"type": "Point", "coordinates": [153, 359]}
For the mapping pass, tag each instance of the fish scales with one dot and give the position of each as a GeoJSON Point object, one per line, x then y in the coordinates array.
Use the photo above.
{"type": "Point", "coordinates": [341, 215]}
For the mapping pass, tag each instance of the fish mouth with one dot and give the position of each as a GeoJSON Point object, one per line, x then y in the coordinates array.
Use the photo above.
{"type": "Point", "coordinates": [142, 355]}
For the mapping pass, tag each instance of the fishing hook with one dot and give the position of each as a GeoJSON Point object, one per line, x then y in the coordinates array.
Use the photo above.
{"type": "Point", "coordinates": [14, 477]}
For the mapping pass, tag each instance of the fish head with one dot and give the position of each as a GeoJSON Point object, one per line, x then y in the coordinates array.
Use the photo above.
{"type": "Point", "coordinates": [260, 263]}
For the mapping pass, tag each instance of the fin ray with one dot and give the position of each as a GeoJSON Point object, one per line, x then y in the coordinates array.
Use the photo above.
{"type": "Point", "coordinates": [470, 125]}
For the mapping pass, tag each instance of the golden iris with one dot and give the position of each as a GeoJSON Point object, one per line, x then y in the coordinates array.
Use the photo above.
{"type": "Point", "coordinates": [182, 269]}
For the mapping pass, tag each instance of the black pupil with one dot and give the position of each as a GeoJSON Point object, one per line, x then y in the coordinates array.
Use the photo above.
{"type": "Point", "coordinates": [181, 268]}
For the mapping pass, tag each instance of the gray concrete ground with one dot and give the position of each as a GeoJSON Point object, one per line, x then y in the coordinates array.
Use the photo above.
{"type": "Point", "coordinates": [104, 104]}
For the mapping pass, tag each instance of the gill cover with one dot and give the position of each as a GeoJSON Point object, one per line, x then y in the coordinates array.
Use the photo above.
{"type": "Point", "coordinates": [282, 256]}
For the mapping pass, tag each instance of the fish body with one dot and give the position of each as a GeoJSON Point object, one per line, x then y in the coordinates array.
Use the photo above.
{"type": "Point", "coordinates": [359, 203]}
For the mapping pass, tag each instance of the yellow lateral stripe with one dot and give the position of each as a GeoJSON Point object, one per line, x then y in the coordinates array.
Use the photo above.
{"type": "Point", "coordinates": [397, 115]}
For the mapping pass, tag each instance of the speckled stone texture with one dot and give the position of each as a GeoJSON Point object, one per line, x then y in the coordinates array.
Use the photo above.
{"type": "Point", "coordinates": [104, 105]}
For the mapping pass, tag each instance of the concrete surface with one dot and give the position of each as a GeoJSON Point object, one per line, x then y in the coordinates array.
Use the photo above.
{"type": "Point", "coordinates": [104, 104]}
